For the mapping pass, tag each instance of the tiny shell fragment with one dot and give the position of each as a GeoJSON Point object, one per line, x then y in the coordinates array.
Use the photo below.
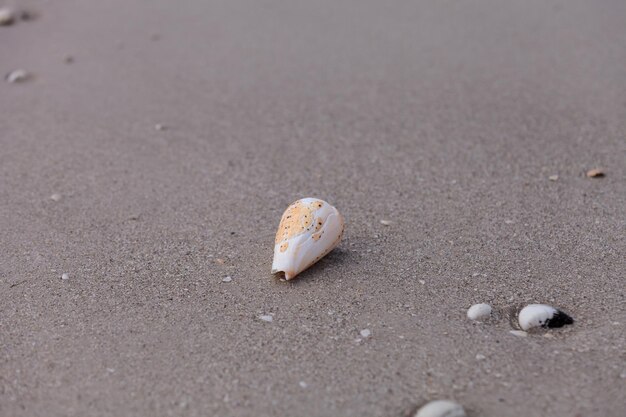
{"type": "Point", "coordinates": [441, 408]}
{"type": "Point", "coordinates": [595, 173]}
{"type": "Point", "coordinates": [7, 17]}
{"type": "Point", "coordinates": [17, 76]}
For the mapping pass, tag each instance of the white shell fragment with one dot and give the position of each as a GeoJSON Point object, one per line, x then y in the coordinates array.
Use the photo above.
{"type": "Point", "coordinates": [542, 315]}
{"type": "Point", "coordinates": [441, 408]}
{"type": "Point", "coordinates": [308, 230]}
{"type": "Point", "coordinates": [266, 317]}
{"type": "Point", "coordinates": [7, 17]}
{"type": "Point", "coordinates": [65, 276]}
{"type": "Point", "coordinates": [479, 312]}
{"type": "Point", "coordinates": [17, 76]}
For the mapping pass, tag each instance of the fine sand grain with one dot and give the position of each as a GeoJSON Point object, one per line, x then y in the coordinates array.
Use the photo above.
{"type": "Point", "coordinates": [433, 126]}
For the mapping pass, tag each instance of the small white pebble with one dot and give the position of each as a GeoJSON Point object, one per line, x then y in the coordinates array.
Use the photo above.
{"type": "Point", "coordinates": [55, 197]}
{"type": "Point", "coordinates": [266, 317]}
{"type": "Point", "coordinates": [160, 127]}
{"type": "Point", "coordinates": [385, 222]}
{"type": "Point", "coordinates": [509, 221]}
{"type": "Point", "coordinates": [480, 357]}
{"type": "Point", "coordinates": [303, 384]}
{"type": "Point", "coordinates": [479, 312]}
{"type": "Point", "coordinates": [17, 76]}
{"type": "Point", "coordinates": [553, 177]}
{"type": "Point", "coordinates": [519, 333]}
{"type": "Point", "coordinates": [441, 408]}
{"type": "Point", "coordinates": [366, 333]}
{"type": "Point", "coordinates": [65, 276]}
{"type": "Point", "coordinates": [421, 281]}
{"type": "Point", "coordinates": [227, 279]}
{"type": "Point", "coordinates": [7, 17]}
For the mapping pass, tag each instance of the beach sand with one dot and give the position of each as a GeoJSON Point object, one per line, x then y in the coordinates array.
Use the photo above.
{"type": "Point", "coordinates": [172, 135]}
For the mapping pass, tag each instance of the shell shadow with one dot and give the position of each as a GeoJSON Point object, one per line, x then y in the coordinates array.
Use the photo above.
{"type": "Point", "coordinates": [336, 258]}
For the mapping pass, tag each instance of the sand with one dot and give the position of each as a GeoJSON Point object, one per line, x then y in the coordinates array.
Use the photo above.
{"type": "Point", "coordinates": [445, 119]}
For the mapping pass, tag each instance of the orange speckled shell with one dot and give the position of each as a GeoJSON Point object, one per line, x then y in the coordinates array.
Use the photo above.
{"type": "Point", "coordinates": [308, 230]}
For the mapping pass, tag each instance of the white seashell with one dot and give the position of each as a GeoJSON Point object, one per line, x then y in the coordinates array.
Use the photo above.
{"type": "Point", "coordinates": [7, 16]}
{"type": "Point", "coordinates": [542, 315]}
{"type": "Point", "coordinates": [441, 408]}
{"type": "Point", "coordinates": [17, 76]}
{"type": "Point", "coordinates": [308, 230]}
{"type": "Point", "coordinates": [479, 312]}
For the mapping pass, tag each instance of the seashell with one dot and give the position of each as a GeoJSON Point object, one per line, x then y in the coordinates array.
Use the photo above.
{"type": "Point", "coordinates": [595, 173]}
{"type": "Point", "coordinates": [17, 76]}
{"type": "Point", "coordinates": [479, 312]}
{"type": "Point", "coordinates": [308, 230]}
{"type": "Point", "coordinates": [441, 408]}
{"type": "Point", "coordinates": [542, 315]}
{"type": "Point", "coordinates": [7, 16]}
